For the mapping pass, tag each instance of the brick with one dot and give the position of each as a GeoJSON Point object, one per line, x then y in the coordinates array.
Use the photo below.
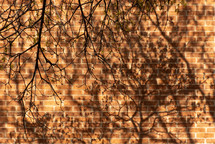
{"type": "Point", "coordinates": [205, 135]}
{"type": "Point", "coordinates": [198, 130]}
{"type": "Point", "coordinates": [150, 90]}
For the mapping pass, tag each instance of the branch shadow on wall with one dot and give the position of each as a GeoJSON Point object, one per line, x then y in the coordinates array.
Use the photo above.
{"type": "Point", "coordinates": [155, 93]}
{"type": "Point", "coordinates": [149, 92]}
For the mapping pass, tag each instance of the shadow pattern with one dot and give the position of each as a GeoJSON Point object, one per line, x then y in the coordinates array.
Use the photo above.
{"type": "Point", "coordinates": [116, 72]}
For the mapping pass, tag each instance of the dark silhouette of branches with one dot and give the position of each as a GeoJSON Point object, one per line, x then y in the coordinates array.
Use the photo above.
{"type": "Point", "coordinates": [127, 56]}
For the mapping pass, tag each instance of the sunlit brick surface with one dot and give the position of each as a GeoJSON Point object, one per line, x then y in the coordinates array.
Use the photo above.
{"type": "Point", "coordinates": [137, 79]}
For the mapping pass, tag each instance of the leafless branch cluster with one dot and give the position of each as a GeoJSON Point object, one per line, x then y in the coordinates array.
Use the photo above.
{"type": "Point", "coordinates": [42, 40]}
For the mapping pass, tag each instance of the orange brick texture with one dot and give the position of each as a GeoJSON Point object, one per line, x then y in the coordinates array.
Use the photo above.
{"type": "Point", "coordinates": [144, 79]}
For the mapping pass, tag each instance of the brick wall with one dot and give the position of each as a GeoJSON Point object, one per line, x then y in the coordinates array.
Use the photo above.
{"type": "Point", "coordinates": [144, 79]}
